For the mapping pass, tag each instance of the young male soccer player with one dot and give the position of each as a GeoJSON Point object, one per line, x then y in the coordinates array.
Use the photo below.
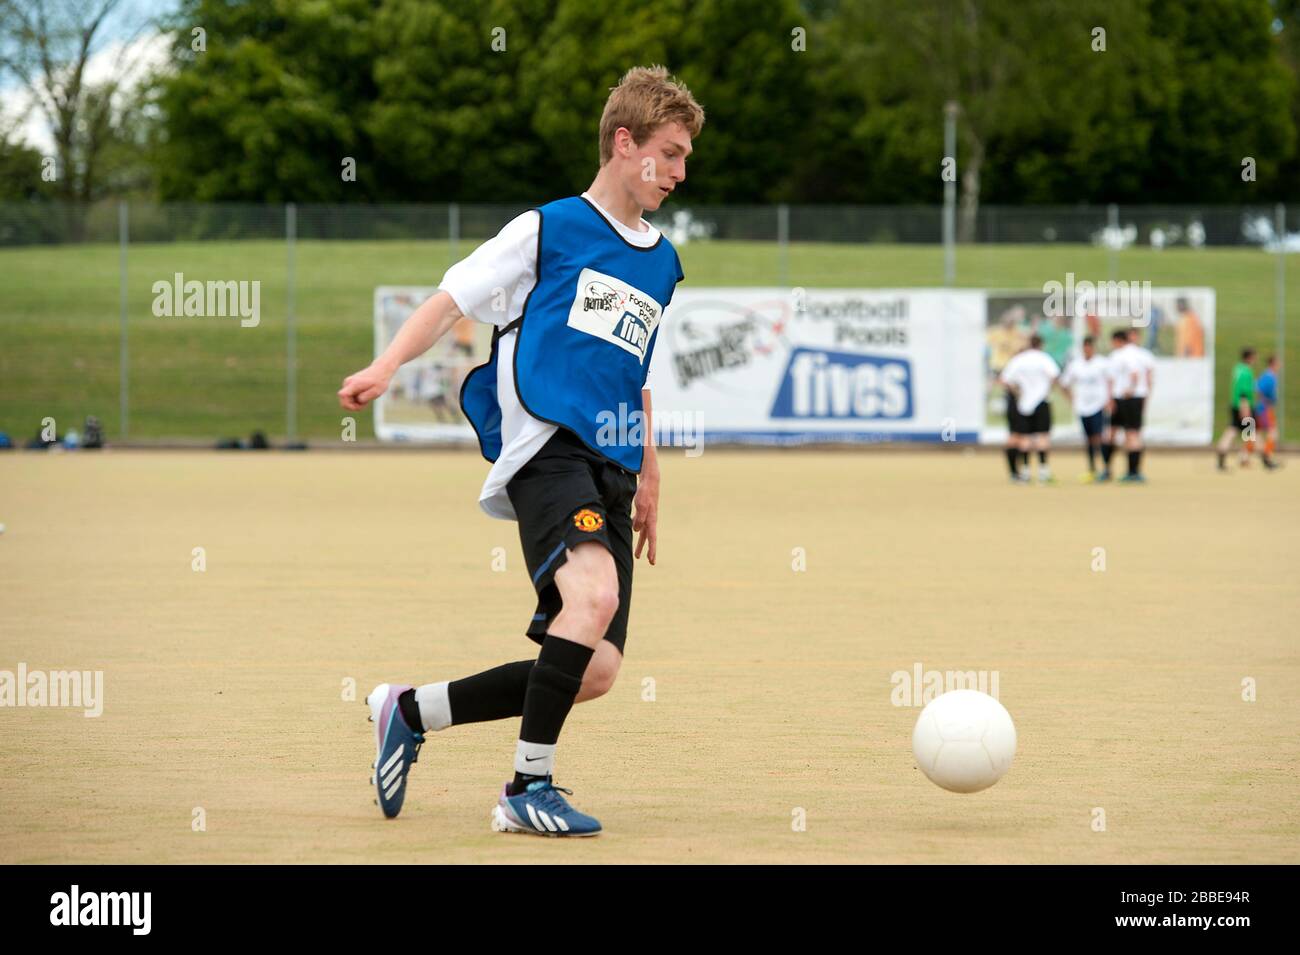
{"type": "Point", "coordinates": [1029, 376]}
{"type": "Point", "coordinates": [1239, 409]}
{"type": "Point", "coordinates": [585, 281]}
{"type": "Point", "coordinates": [1132, 374]}
{"type": "Point", "coordinates": [1086, 383]}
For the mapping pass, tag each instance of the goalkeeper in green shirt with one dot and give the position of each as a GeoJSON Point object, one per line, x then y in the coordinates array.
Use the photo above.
{"type": "Point", "coordinates": [1243, 400]}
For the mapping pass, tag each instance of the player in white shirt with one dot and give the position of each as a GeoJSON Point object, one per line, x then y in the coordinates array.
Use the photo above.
{"type": "Point", "coordinates": [1086, 382]}
{"type": "Point", "coordinates": [578, 285]}
{"type": "Point", "coordinates": [1012, 448]}
{"type": "Point", "coordinates": [1029, 376]}
{"type": "Point", "coordinates": [1132, 374]}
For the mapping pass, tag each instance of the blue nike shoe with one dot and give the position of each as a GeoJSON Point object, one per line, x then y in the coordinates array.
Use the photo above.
{"type": "Point", "coordinates": [542, 811]}
{"type": "Point", "coordinates": [397, 747]}
{"type": "Point", "coordinates": [1133, 479]}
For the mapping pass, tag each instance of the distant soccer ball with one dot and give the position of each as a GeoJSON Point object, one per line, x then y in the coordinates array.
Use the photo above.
{"type": "Point", "coordinates": [964, 741]}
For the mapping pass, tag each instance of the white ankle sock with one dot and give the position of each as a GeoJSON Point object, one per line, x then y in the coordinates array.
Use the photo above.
{"type": "Point", "coordinates": [435, 706]}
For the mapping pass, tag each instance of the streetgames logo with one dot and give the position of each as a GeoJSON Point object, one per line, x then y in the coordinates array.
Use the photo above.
{"type": "Point", "coordinates": [706, 343]}
{"type": "Point", "coordinates": [614, 311]}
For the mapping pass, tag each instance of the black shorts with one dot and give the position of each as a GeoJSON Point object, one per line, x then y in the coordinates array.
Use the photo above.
{"type": "Point", "coordinates": [565, 495]}
{"type": "Point", "coordinates": [1015, 420]}
{"type": "Point", "coordinates": [1128, 414]}
{"type": "Point", "coordinates": [1094, 424]}
{"type": "Point", "coordinates": [1238, 421]}
{"type": "Point", "coordinates": [1038, 421]}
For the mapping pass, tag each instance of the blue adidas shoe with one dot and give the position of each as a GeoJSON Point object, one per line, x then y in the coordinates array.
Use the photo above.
{"type": "Point", "coordinates": [542, 811]}
{"type": "Point", "coordinates": [397, 747]}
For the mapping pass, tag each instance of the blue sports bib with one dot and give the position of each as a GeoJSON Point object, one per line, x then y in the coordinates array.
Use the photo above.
{"type": "Point", "coordinates": [586, 335]}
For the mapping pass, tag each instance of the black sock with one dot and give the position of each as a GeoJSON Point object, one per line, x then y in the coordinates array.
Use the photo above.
{"type": "Point", "coordinates": [410, 711]}
{"type": "Point", "coordinates": [491, 695]}
{"type": "Point", "coordinates": [1042, 458]}
{"type": "Point", "coordinates": [1134, 459]}
{"type": "Point", "coordinates": [1011, 460]}
{"type": "Point", "coordinates": [1092, 457]}
{"type": "Point", "coordinates": [1024, 460]}
{"type": "Point", "coordinates": [1107, 449]}
{"type": "Point", "coordinates": [553, 684]}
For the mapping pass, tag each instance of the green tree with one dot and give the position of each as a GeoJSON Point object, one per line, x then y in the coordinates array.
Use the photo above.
{"type": "Point", "coordinates": [1234, 98]}
{"type": "Point", "coordinates": [735, 57]}
{"type": "Point", "coordinates": [452, 118]}
{"type": "Point", "coordinates": [20, 166]}
{"type": "Point", "coordinates": [1287, 25]}
{"type": "Point", "coordinates": [47, 48]}
{"type": "Point", "coordinates": [267, 102]}
{"type": "Point", "coordinates": [1009, 68]}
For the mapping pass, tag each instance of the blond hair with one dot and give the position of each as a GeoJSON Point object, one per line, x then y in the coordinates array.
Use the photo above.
{"type": "Point", "coordinates": [645, 99]}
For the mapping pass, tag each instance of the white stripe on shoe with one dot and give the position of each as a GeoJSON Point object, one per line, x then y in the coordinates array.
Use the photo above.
{"type": "Point", "coordinates": [539, 824]}
{"type": "Point", "coordinates": [388, 793]}
{"type": "Point", "coordinates": [392, 759]}
{"type": "Point", "coordinates": [388, 780]}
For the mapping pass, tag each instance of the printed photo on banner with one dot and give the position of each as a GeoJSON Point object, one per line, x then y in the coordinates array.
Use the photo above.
{"type": "Point", "coordinates": [423, 402]}
{"type": "Point", "coordinates": [1175, 324]}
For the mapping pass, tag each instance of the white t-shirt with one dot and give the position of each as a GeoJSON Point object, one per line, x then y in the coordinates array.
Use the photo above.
{"type": "Point", "coordinates": [1130, 367]}
{"type": "Point", "coordinates": [1032, 371]}
{"type": "Point", "coordinates": [491, 285]}
{"type": "Point", "coordinates": [1146, 368]}
{"type": "Point", "coordinates": [1088, 380]}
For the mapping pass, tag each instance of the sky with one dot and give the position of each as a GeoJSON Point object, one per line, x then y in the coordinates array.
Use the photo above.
{"type": "Point", "coordinates": [148, 52]}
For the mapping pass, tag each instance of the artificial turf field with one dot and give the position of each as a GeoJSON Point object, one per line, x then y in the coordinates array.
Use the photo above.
{"type": "Point", "coordinates": [223, 689]}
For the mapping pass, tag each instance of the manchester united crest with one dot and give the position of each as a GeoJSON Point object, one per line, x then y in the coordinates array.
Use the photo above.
{"type": "Point", "coordinates": [588, 520]}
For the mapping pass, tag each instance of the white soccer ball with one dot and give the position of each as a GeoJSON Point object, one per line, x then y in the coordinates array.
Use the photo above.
{"type": "Point", "coordinates": [964, 741]}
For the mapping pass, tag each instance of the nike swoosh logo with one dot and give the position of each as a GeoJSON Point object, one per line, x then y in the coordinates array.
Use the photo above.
{"type": "Point", "coordinates": [533, 759]}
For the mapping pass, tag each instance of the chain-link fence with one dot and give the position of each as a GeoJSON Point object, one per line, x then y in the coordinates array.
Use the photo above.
{"type": "Point", "coordinates": [95, 314]}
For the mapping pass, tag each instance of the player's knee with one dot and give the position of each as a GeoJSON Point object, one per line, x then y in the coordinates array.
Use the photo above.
{"type": "Point", "coordinates": [589, 585]}
{"type": "Point", "coordinates": [591, 607]}
{"type": "Point", "coordinates": [598, 602]}
{"type": "Point", "coordinates": [599, 678]}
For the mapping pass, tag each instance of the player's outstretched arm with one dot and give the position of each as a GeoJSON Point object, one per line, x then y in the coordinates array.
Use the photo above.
{"type": "Point", "coordinates": [418, 333]}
